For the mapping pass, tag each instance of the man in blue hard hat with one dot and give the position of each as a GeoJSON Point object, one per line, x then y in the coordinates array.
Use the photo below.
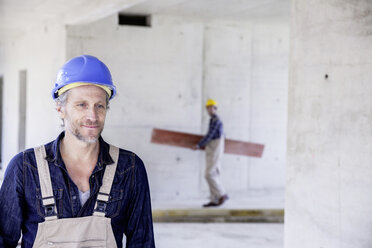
{"type": "Point", "coordinates": [78, 190]}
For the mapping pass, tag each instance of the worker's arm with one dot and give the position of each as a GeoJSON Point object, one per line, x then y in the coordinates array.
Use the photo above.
{"type": "Point", "coordinates": [215, 126]}
{"type": "Point", "coordinates": [11, 195]}
{"type": "Point", "coordinates": [139, 230]}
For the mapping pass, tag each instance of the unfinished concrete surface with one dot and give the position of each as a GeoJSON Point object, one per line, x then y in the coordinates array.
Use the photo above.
{"type": "Point", "coordinates": [223, 235]}
{"type": "Point", "coordinates": [233, 51]}
{"type": "Point", "coordinates": [166, 73]}
{"type": "Point", "coordinates": [329, 169]}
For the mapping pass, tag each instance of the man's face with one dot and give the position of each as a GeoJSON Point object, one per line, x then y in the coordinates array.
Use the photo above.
{"type": "Point", "coordinates": [84, 112]}
{"type": "Point", "coordinates": [211, 110]}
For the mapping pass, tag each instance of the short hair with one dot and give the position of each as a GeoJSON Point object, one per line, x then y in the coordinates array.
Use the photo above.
{"type": "Point", "coordinates": [62, 99]}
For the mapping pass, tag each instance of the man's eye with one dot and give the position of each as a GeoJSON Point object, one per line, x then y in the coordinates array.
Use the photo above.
{"type": "Point", "coordinates": [81, 105]}
{"type": "Point", "coordinates": [100, 106]}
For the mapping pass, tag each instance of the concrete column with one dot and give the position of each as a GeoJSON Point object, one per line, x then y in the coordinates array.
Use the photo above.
{"type": "Point", "coordinates": [329, 170]}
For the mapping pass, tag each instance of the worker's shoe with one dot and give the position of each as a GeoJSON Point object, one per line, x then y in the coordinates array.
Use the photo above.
{"type": "Point", "coordinates": [220, 201]}
{"type": "Point", "coordinates": [210, 204]}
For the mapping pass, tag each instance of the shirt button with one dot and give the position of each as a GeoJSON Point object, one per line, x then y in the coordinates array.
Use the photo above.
{"type": "Point", "coordinates": [74, 197]}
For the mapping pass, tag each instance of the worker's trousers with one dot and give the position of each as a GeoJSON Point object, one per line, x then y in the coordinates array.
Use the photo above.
{"type": "Point", "coordinates": [214, 151]}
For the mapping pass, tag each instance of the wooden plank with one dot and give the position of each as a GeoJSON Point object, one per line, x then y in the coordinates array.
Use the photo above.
{"type": "Point", "coordinates": [187, 140]}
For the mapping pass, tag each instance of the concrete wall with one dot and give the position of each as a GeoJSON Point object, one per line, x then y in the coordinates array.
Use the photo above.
{"type": "Point", "coordinates": [39, 50]}
{"type": "Point", "coordinates": [165, 73]}
{"type": "Point", "coordinates": [269, 101]}
{"type": "Point", "coordinates": [329, 171]}
{"type": "Point", "coordinates": [246, 68]}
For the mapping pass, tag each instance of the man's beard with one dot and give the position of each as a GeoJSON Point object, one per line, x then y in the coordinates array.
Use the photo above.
{"type": "Point", "coordinates": [90, 140]}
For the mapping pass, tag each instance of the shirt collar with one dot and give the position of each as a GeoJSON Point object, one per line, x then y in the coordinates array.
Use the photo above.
{"type": "Point", "coordinates": [54, 154]}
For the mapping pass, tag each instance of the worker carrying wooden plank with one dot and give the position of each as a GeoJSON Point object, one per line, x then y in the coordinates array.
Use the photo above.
{"type": "Point", "coordinates": [214, 143]}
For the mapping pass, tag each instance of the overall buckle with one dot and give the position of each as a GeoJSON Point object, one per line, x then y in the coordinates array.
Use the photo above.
{"type": "Point", "coordinates": [50, 206]}
{"type": "Point", "coordinates": [50, 210]}
{"type": "Point", "coordinates": [101, 206]}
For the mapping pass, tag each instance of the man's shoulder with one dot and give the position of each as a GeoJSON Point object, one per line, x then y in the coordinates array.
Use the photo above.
{"type": "Point", "coordinates": [129, 159]}
{"type": "Point", "coordinates": [27, 156]}
{"type": "Point", "coordinates": [22, 156]}
{"type": "Point", "coordinates": [123, 152]}
{"type": "Point", "coordinates": [216, 118]}
{"type": "Point", "coordinates": [17, 162]}
{"type": "Point", "coordinates": [31, 150]}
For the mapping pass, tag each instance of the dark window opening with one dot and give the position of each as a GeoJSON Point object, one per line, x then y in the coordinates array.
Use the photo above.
{"type": "Point", "coordinates": [135, 20]}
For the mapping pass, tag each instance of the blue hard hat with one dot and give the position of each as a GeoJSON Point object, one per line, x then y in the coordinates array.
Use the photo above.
{"type": "Point", "coordinates": [84, 69]}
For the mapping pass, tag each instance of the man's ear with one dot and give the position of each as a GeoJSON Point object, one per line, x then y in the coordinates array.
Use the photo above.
{"type": "Point", "coordinates": [60, 110]}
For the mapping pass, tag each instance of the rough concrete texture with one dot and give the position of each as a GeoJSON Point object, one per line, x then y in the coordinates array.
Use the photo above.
{"type": "Point", "coordinates": [164, 75]}
{"type": "Point", "coordinates": [40, 51]}
{"type": "Point", "coordinates": [247, 199]}
{"type": "Point", "coordinates": [235, 235]}
{"type": "Point", "coordinates": [329, 171]}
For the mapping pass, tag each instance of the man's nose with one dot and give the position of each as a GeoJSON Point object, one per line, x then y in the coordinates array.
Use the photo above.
{"type": "Point", "coordinates": [92, 113]}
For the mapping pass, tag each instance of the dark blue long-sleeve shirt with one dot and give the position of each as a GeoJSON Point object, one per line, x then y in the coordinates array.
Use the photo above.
{"type": "Point", "coordinates": [128, 207]}
{"type": "Point", "coordinates": [215, 131]}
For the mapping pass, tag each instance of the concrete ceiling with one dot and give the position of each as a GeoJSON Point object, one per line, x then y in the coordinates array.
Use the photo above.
{"type": "Point", "coordinates": [15, 14]}
{"type": "Point", "coordinates": [217, 9]}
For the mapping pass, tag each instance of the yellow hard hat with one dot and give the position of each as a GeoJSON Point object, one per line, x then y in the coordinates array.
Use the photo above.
{"type": "Point", "coordinates": [211, 102]}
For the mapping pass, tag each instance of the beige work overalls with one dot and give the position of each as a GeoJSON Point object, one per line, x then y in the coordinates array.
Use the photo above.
{"type": "Point", "coordinates": [213, 153]}
{"type": "Point", "coordinates": [90, 231]}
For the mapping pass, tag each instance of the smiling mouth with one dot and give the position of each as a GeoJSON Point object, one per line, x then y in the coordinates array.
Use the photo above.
{"type": "Point", "coordinates": [89, 126]}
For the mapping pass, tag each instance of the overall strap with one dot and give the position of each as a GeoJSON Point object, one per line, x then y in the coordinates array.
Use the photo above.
{"type": "Point", "coordinates": [45, 184]}
{"type": "Point", "coordinates": [108, 178]}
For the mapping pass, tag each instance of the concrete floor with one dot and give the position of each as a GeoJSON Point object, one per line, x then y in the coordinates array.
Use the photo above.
{"type": "Point", "coordinates": [218, 235]}
{"type": "Point", "coordinates": [222, 235]}
{"type": "Point", "coordinates": [249, 199]}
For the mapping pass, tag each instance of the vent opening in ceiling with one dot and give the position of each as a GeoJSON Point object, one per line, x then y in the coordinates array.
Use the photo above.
{"type": "Point", "coordinates": [135, 20]}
